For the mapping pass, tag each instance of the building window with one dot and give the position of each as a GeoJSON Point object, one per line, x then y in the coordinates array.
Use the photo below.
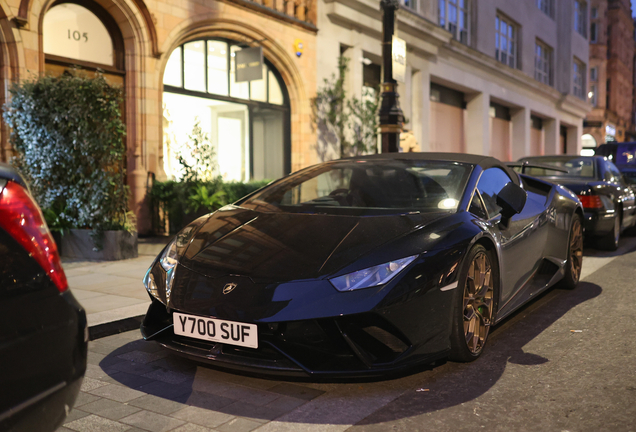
{"type": "Point", "coordinates": [543, 63]}
{"type": "Point", "coordinates": [245, 122]}
{"type": "Point", "coordinates": [578, 78]}
{"type": "Point", "coordinates": [410, 4]}
{"type": "Point", "coordinates": [454, 16]}
{"type": "Point", "coordinates": [593, 32]}
{"type": "Point", "coordinates": [594, 74]}
{"type": "Point", "coordinates": [594, 12]}
{"type": "Point", "coordinates": [546, 6]}
{"type": "Point", "coordinates": [580, 12]}
{"type": "Point", "coordinates": [592, 95]}
{"type": "Point", "coordinates": [506, 41]}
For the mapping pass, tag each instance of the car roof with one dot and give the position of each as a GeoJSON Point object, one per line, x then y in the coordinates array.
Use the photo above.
{"type": "Point", "coordinates": [484, 162]}
{"type": "Point", "coordinates": [563, 157]}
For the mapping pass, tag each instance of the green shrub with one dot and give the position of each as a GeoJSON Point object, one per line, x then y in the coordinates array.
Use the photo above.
{"type": "Point", "coordinates": [69, 138]}
{"type": "Point", "coordinates": [182, 202]}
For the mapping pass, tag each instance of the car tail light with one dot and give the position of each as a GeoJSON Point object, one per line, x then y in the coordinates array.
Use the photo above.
{"type": "Point", "coordinates": [21, 217]}
{"type": "Point", "coordinates": [591, 201]}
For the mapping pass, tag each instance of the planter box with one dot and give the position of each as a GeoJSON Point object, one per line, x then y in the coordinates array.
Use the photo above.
{"type": "Point", "coordinates": [118, 245]}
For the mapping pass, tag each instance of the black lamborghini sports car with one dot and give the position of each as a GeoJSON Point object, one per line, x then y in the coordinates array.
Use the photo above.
{"type": "Point", "coordinates": [363, 266]}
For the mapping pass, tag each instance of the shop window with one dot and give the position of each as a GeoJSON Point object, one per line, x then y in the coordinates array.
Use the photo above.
{"type": "Point", "coordinates": [246, 123]}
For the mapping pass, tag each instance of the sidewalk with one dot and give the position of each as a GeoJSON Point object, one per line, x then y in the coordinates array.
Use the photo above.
{"type": "Point", "coordinates": [112, 291]}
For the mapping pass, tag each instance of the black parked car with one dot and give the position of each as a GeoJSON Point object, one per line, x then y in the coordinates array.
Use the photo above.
{"type": "Point", "coordinates": [43, 332]}
{"type": "Point", "coordinates": [363, 266]}
{"type": "Point", "coordinates": [608, 200]}
{"type": "Point", "coordinates": [623, 155]}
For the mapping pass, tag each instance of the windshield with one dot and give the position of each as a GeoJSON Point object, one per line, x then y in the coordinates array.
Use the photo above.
{"type": "Point", "coordinates": [367, 187]}
{"type": "Point", "coordinates": [576, 166]}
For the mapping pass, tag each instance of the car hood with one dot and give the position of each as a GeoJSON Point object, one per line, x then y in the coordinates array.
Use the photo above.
{"type": "Point", "coordinates": [281, 247]}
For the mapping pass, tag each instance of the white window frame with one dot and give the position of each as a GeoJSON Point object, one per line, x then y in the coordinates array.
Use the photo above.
{"type": "Point", "coordinates": [543, 63]}
{"type": "Point", "coordinates": [580, 17]}
{"type": "Point", "coordinates": [578, 79]}
{"type": "Point", "coordinates": [510, 35]}
{"type": "Point", "coordinates": [446, 9]}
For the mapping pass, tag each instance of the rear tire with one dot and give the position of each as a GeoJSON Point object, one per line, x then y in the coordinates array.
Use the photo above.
{"type": "Point", "coordinates": [474, 305]}
{"type": "Point", "coordinates": [574, 262]}
{"type": "Point", "coordinates": [610, 240]}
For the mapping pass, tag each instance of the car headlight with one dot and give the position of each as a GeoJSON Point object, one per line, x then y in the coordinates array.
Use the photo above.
{"type": "Point", "coordinates": [372, 276]}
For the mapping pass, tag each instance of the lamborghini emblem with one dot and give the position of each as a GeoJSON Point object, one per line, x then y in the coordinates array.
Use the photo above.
{"type": "Point", "coordinates": [228, 288]}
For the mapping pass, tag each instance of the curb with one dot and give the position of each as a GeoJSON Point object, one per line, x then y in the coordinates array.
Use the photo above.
{"type": "Point", "coordinates": [115, 327]}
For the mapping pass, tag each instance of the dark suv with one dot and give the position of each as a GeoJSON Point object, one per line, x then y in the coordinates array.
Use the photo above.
{"type": "Point", "coordinates": [623, 155]}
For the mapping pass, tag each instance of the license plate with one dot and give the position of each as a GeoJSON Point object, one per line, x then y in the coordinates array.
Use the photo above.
{"type": "Point", "coordinates": [216, 330]}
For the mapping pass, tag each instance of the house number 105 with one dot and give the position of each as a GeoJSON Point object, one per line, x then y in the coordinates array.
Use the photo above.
{"type": "Point", "coordinates": [75, 35]}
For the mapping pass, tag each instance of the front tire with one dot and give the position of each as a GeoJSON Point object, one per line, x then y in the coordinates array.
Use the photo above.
{"type": "Point", "coordinates": [574, 262]}
{"type": "Point", "coordinates": [474, 306]}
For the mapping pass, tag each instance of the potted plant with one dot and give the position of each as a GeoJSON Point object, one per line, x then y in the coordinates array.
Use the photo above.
{"type": "Point", "coordinates": [68, 134]}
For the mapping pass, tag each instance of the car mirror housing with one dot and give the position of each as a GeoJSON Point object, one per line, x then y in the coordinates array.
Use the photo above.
{"type": "Point", "coordinates": [511, 199]}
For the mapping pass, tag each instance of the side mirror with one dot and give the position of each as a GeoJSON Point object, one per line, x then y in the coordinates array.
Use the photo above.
{"type": "Point", "coordinates": [511, 199]}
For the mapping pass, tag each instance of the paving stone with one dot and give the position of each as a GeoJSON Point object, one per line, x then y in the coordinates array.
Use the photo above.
{"type": "Point", "coordinates": [133, 368]}
{"type": "Point", "coordinates": [152, 421]}
{"type": "Point", "coordinates": [168, 376]}
{"type": "Point", "coordinates": [285, 404]}
{"type": "Point", "coordinates": [234, 391]}
{"type": "Point", "coordinates": [84, 398]}
{"type": "Point", "coordinates": [96, 372]}
{"type": "Point", "coordinates": [74, 415]}
{"type": "Point", "coordinates": [129, 380]}
{"type": "Point", "coordinates": [89, 384]}
{"type": "Point", "coordinates": [110, 409]}
{"type": "Point", "coordinates": [117, 393]}
{"type": "Point", "coordinates": [142, 356]}
{"type": "Point", "coordinates": [93, 423]}
{"type": "Point", "coordinates": [157, 404]}
{"type": "Point", "coordinates": [208, 400]}
{"type": "Point", "coordinates": [202, 416]}
{"type": "Point", "coordinates": [253, 412]}
{"type": "Point", "coordinates": [191, 427]}
{"type": "Point", "coordinates": [177, 393]}
{"type": "Point", "coordinates": [239, 424]}
{"type": "Point", "coordinates": [296, 391]}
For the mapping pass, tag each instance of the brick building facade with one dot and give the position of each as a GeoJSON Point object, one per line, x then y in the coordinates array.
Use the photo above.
{"type": "Point", "coordinates": [611, 83]}
{"type": "Point", "coordinates": [145, 34]}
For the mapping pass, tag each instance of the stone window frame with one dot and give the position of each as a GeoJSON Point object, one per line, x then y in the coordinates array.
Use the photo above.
{"type": "Point", "coordinates": [543, 54]}
{"type": "Point", "coordinates": [580, 17]}
{"type": "Point", "coordinates": [510, 34]}
{"type": "Point", "coordinates": [578, 78]}
{"type": "Point", "coordinates": [459, 8]}
{"type": "Point", "coordinates": [547, 7]}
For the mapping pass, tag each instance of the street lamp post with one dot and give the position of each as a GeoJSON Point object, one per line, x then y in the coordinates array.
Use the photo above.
{"type": "Point", "coordinates": [391, 116]}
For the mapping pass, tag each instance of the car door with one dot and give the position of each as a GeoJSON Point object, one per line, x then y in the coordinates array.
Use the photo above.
{"type": "Point", "coordinates": [522, 240]}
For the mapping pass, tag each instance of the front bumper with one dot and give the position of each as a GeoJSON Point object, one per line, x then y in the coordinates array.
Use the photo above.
{"type": "Point", "coordinates": [362, 345]}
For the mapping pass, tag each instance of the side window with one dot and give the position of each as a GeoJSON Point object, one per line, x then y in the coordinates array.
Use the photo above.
{"type": "Point", "coordinates": [476, 207]}
{"type": "Point", "coordinates": [490, 184]}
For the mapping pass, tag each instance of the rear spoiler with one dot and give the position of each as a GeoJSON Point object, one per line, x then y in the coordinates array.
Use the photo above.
{"type": "Point", "coordinates": [526, 164]}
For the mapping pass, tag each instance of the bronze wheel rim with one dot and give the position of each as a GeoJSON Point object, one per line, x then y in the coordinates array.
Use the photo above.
{"type": "Point", "coordinates": [576, 250]}
{"type": "Point", "coordinates": [478, 302]}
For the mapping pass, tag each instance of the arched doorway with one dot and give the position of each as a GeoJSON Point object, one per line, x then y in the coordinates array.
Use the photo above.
{"type": "Point", "coordinates": [83, 35]}
{"type": "Point", "coordinates": [248, 123]}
